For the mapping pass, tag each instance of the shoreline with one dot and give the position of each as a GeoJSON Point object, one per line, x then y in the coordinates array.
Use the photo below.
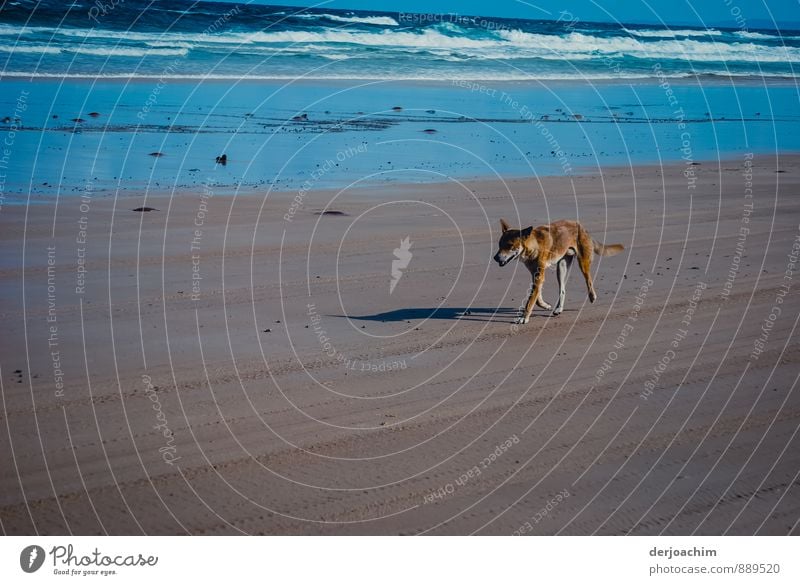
{"type": "Point", "coordinates": [758, 80]}
{"type": "Point", "coordinates": [365, 189]}
{"type": "Point", "coordinates": [372, 189]}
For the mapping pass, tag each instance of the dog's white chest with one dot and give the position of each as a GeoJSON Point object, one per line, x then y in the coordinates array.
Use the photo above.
{"type": "Point", "coordinates": [552, 263]}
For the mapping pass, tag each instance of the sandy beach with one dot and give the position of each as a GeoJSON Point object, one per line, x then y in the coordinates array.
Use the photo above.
{"type": "Point", "coordinates": [226, 365]}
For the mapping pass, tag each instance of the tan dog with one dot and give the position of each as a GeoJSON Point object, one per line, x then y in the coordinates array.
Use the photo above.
{"type": "Point", "coordinates": [548, 245]}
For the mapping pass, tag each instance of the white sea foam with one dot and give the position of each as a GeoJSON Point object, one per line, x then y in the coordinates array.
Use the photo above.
{"type": "Point", "coordinates": [745, 34]}
{"type": "Point", "coordinates": [377, 20]}
{"type": "Point", "coordinates": [450, 43]}
{"type": "Point", "coordinates": [93, 50]}
{"type": "Point", "coordinates": [754, 35]}
{"type": "Point", "coordinates": [126, 51]}
{"type": "Point", "coordinates": [387, 39]}
{"type": "Point", "coordinates": [8, 30]}
{"type": "Point", "coordinates": [687, 49]}
{"type": "Point", "coordinates": [670, 33]}
{"type": "Point", "coordinates": [40, 49]}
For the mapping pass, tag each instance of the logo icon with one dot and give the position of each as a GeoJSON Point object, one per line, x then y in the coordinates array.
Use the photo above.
{"type": "Point", "coordinates": [403, 257]}
{"type": "Point", "coordinates": [31, 558]}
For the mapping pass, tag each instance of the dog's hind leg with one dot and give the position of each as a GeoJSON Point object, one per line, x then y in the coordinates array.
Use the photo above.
{"type": "Point", "coordinates": [585, 264]}
{"type": "Point", "coordinates": [562, 269]}
{"type": "Point", "coordinates": [585, 251]}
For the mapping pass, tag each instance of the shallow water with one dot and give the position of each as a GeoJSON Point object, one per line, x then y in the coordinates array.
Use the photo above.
{"type": "Point", "coordinates": [352, 134]}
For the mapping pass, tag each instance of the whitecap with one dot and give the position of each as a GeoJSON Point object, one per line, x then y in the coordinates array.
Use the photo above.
{"type": "Point", "coordinates": [670, 33]}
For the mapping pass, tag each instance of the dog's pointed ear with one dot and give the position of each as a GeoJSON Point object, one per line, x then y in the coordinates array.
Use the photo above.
{"type": "Point", "coordinates": [504, 226]}
{"type": "Point", "coordinates": [527, 231]}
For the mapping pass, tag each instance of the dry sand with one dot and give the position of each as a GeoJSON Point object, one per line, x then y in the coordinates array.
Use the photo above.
{"type": "Point", "coordinates": [366, 413]}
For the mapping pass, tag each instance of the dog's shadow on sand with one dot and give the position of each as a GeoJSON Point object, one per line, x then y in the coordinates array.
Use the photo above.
{"type": "Point", "coordinates": [440, 313]}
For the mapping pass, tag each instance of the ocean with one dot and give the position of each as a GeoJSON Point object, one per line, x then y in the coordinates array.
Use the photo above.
{"type": "Point", "coordinates": [129, 96]}
{"type": "Point", "coordinates": [141, 38]}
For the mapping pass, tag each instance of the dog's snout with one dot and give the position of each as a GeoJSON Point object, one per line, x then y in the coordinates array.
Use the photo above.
{"type": "Point", "coordinates": [500, 260]}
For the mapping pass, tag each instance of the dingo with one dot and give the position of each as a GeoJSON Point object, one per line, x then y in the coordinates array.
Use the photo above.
{"type": "Point", "coordinates": [548, 245]}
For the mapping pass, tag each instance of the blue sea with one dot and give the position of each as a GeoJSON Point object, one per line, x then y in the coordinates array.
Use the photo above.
{"type": "Point", "coordinates": [135, 94]}
{"type": "Point", "coordinates": [141, 38]}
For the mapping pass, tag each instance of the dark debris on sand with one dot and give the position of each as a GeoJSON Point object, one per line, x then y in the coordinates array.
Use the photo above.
{"type": "Point", "coordinates": [330, 212]}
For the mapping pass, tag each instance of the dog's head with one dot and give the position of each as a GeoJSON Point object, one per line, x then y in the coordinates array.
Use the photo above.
{"type": "Point", "coordinates": [512, 243]}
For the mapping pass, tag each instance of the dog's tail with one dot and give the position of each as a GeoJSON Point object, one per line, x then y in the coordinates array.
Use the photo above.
{"type": "Point", "coordinates": [610, 250]}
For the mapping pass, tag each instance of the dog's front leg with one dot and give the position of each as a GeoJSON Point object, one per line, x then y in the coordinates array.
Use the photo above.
{"type": "Point", "coordinates": [526, 313]}
{"type": "Point", "coordinates": [536, 290]}
{"type": "Point", "coordinates": [543, 303]}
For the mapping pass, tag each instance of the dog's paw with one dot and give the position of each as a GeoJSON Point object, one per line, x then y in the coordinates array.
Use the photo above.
{"type": "Point", "coordinates": [522, 320]}
{"type": "Point", "coordinates": [592, 297]}
{"type": "Point", "coordinates": [557, 312]}
{"type": "Point", "coordinates": [546, 306]}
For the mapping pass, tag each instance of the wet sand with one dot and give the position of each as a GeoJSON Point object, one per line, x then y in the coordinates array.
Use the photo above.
{"type": "Point", "coordinates": [278, 133]}
{"type": "Point", "coordinates": [212, 367]}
